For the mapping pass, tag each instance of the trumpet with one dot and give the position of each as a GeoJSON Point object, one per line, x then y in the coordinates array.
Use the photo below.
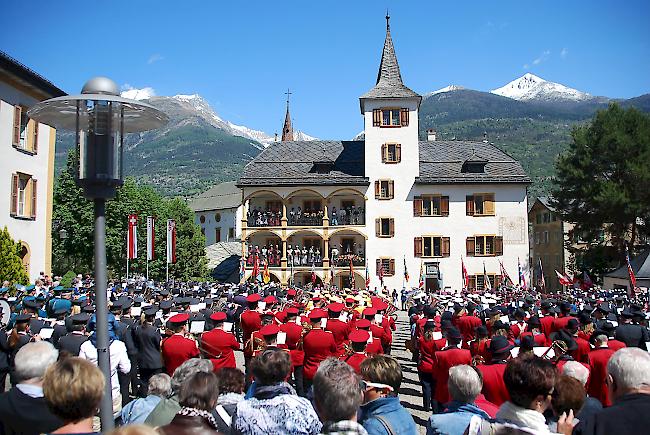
{"type": "Point", "coordinates": [559, 348]}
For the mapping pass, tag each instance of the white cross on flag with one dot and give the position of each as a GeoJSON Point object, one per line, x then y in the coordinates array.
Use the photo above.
{"type": "Point", "coordinates": [132, 237]}
{"type": "Point", "coordinates": [150, 238]}
{"type": "Point", "coordinates": [171, 241]}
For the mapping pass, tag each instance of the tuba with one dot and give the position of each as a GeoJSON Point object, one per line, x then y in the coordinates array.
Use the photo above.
{"type": "Point", "coordinates": [559, 348]}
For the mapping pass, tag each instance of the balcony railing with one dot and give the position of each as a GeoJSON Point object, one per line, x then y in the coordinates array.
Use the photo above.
{"type": "Point", "coordinates": [349, 218]}
{"type": "Point", "coordinates": [344, 260]}
{"type": "Point", "coordinates": [306, 219]}
{"type": "Point", "coordinates": [258, 218]}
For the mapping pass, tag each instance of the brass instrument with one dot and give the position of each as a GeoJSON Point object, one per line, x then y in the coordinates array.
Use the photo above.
{"type": "Point", "coordinates": [347, 349]}
{"type": "Point", "coordinates": [255, 344]}
{"type": "Point", "coordinates": [306, 327]}
{"type": "Point", "coordinates": [559, 348]}
{"type": "Point", "coordinates": [477, 360]}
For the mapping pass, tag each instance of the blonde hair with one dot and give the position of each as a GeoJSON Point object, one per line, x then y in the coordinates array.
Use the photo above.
{"type": "Point", "coordinates": [73, 388]}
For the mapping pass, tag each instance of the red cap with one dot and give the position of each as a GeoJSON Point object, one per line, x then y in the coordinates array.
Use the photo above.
{"type": "Point", "coordinates": [380, 305]}
{"type": "Point", "coordinates": [317, 314]}
{"type": "Point", "coordinates": [179, 318]}
{"type": "Point", "coordinates": [363, 323]}
{"type": "Point", "coordinates": [291, 292]}
{"type": "Point", "coordinates": [218, 316]}
{"type": "Point", "coordinates": [316, 298]}
{"type": "Point", "coordinates": [270, 299]}
{"type": "Point", "coordinates": [255, 297]}
{"type": "Point", "coordinates": [292, 310]}
{"type": "Point", "coordinates": [335, 307]}
{"type": "Point", "coordinates": [350, 300]}
{"type": "Point", "coordinates": [369, 312]}
{"type": "Point", "coordinates": [359, 336]}
{"type": "Point", "coordinates": [268, 330]}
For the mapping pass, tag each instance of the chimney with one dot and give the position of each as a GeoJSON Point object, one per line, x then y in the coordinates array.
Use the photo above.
{"type": "Point", "coordinates": [431, 135]}
{"type": "Point", "coordinates": [485, 139]}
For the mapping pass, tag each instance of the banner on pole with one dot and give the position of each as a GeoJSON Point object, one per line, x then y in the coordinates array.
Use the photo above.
{"type": "Point", "coordinates": [151, 238]}
{"type": "Point", "coordinates": [132, 237]}
{"type": "Point", "coordinates": [171, 241]}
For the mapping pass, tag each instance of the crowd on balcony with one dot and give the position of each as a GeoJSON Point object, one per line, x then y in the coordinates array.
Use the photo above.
{"type": "Point", "coordinates": [341, 255]}
{"type": "Point", "coordinates": [264, 218]}
{"type": "Point", "coordinates": [271, 254]}
{"type": "Point", "coordinates": [304, 257]}
{"type": "Point", "coordinates": [308, 217]}
{"type": "Point", "coordinates": [347, 216]}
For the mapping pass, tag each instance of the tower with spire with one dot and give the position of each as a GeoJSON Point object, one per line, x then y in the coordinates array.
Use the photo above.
{"type": "Point", "coordinates": [287, 129]}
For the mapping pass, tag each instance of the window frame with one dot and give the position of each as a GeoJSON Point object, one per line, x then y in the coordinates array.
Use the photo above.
{"type": "Point", "coordinates": [387, 264]}
{"type": "Point", "coordinates": [24, 140]}
{"type": "Point", "coordinates": [497, 242]}
{"type": "Point", "coordinates": [471, 204]}
{"type": "Point", "coordinates": [386, 154]}
{"type": "Point", "coordinates": [390, 189]}
{"type": "Point", "coordinates": [23, 197]}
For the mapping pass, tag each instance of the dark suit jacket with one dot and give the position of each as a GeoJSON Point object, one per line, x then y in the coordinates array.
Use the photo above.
{"type": "Point", "coordinates": [22, 414]}
{"type": "Point", "coordinates": [71, 343]}
{"type": "Point", "coordinates": [627, 416]}
{"type": "Point", "coordinates": [632, 335]}
{"type": "Point", "coordinates": [147, 340]}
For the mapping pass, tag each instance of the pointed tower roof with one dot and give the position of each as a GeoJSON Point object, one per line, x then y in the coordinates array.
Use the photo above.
{"type": "Point", "coordinates": [389, 80]}
{"type": "Point", "coordinates": [287, 130]}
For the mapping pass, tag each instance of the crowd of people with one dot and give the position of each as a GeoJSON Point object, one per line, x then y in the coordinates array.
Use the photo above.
{"type": "Point", "coordinates": [270, 254]}
{"type": "Point", "coordinates": [319, 360]}
{"type": "Point", "coordinates": [296, 216]}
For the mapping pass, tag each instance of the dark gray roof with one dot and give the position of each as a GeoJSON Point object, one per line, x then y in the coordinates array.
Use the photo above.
{"type": "Point", "coordinates": [219, 197]}
{"type": "Point", "coordinates": [441, 162]}
{"type": "Point", "coordinates": [389, 80]}
{"type": "Point", "coordinates": [640, 265]}
{"type": "Point", "coordinates": [28, 76]}
{"type": "Point", "coordinates": [300, 163]}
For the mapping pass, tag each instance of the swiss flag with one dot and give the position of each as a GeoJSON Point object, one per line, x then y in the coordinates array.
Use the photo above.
{"type": "Point", "coordinates": [132, 237]}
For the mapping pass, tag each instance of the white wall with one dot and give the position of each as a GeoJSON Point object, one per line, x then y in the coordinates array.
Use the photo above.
{"type": "Point", "coordinates": [230, 218]}
{"type": "Point", "coordinates": [33, 232]}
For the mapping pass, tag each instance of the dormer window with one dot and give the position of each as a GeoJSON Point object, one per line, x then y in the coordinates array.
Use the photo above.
{"type": "Point", "coordinates": [322, 167]}
{"type": "Point", "coordinates": [390, 117]}
{"type": "Point", "coordinates": [475, 164]}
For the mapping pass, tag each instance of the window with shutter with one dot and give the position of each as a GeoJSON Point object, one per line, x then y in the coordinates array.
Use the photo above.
{"type": "Point", "coordinates": [398, 153]}
{"type": "Point", "coordinates": [469, 205]}
{"type": "Point", "coordinates": [417, 247]}
{"type": "Point", "coordinates": [377, 189]}
{"type": "Point", "coordinates": [498, 245]}
{"type": "Point", "coordinates": [391, 267]}
{"type": "Point", "coordinates": [445, 246]}
{"type": "Point", "coordinates": [34, 195]}
{"type": "Point", "coordinates": [404, 117]}
{"type": "Point", "coordinates": [472, 282]}
{"type": "Point", "coordinates": [417, 206]}
{"type": "Point", "coordinates": [384, 153]}
{"type": "Point", "coordinates": [391, 189]}
{"type": "Point", "coordinates": [378, 227]}
{"type": "Point", "coordinates": [376, 117]}
{"type": "Point", "coordinates": [470, 243]}
{"type": "Point", "coordinates": [488, 207]}
{"type": "Point", "coordinates": [391, 227]}
{"type": "Point", "coordinates": [444, 205]}
{"type": "Point", "coordinates": [16, 131]}
{"type": "Point", "coordinates": [14, 195]}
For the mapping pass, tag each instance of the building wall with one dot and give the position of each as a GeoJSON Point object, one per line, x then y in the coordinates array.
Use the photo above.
{"type": "Point", "coordinates": [229, 218]}
{"type": "Point", "coordinates": [36, 233]}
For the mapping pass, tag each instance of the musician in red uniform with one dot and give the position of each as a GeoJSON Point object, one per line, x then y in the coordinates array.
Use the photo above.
{"type": "Point", "coordinates": [294, 332]}
{"type": "Point", "coordinates": [219, 345]}
{"type": "Point", "coordinates": [177, 348]}
{"type": "Point", "coordinates": [467, 322]}
{"type": "Point", "coordinates": [546, 319]}
{"type": "Point", "coordinates": [251, 321]}
{"type": "Point", "coordinates": [318, 345]}
{"type": "Point", "coordinates": [339, 329]}
{"type": "Point", "coordinates": [581, 354]}
{"type": "Point", "coordinates": [480, 347]}
{"type": "Point", "coordinates": [612, 343]}
{"type": "Point", "coordinates": [494, 388]}
{"type": "Point", "coordinates": [520, 326]}
{"type": "Point", "coordinates": [534, 330]}
{"type": "Point", "coordinates": [562, 321]}
{"type": "Point", "coordinates": [446, 358]}
{"type": "Point", "coordinates": [376, 329]}
{"type": "Point", "coordinates": [598, 359]}
{"type": "Point", "coordinates": [388, 323]}
{"type": "Point", "coordinates": [374, 347]}
{"type": "Point", "coordinates": [427, 363]}
{"type": "Point", "coordinates": [358, 341]}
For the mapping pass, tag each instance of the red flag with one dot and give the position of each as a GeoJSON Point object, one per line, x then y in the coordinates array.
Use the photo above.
{"type": "Point", "coordinates": [132, 237]}
{"type": "Point", "coordinates": [505, 278]}
{"type": "Point", "coordinates": [151, 238]}
{"type": "Point", "coordinates": [421, 283]}
{"type": "Point", "coordinates": [465, 275]}
{"type": "Point", "coordinates": [380, 272]}
{"type": "Point", "coordinates": [564, 279]}
{"type": "Point", "coordinates": [587, 283]}
{"type": "Point", "coordinates": [313, 273]}
{"type": "Point", "coordinates": [256, 269]}
{"type": "Point", "coordinates": [171, 241]}
{"type": "Point", "coordinates": [630, 271]}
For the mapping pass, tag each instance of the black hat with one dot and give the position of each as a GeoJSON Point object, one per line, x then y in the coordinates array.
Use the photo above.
{"type": "Point", "coordinates": [453, 334]}
{"type": "Point", "coordinates": [116, 306]}
{"type": "Point", "coordinates": [499, 345]}
{"type": "Point", "coordinates": [534, 322]}
{"type": "Point", "coordinates": [608, 327]}
{"type": "Point", "coordinates": [527, 342]}
{"type": "Point", "coordinates": [546, 304]}
{"type": "Point", "coordinates": [164, 292]}
{"type": "Point", "coordinates": [31, 304]}
{"type": "Point", "coordinates": [165, 305]}
{"type": "Point", "coordinates": [88, 309]}
{"type": "Point", "coordinates": [519, 313]}
{"type": "Point", "coordinates": [429, 311]}
{"type": "Point", "coordinates": [150, 312]}
{"type": "Point", "coordinates": [584, 318]}
{"type": "Point", "coordinates": [564, 336]}
{"type": "Point", "coordinates": [572, 325]}
{"type": "Point", "coordinates": [23, 318]}
{"type": "Point", "coordinates": [627, 314]}
{"type": "Point", "coordinates": [80, 319]}
{"type": "Point", "coordinates": [481, 331]}
{"type": "Point", "coordinates": [499, 325]}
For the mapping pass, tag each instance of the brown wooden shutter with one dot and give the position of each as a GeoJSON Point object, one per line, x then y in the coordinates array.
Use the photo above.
{"type": "Point", "coordinates": [469, 205]}
{"type": "Point", "coordinates": [445, 246]}
{"type": "Point", "coordinates": [378, 266]}
{"type": "Point", "coordinates": [497, 280]}
{"type": "Point", "coordinates": [404, 117]}
{"type": "Point", "coordinates": [17, 115]}
{"type": "Point", "coordinates": [35, 143]}
{"type": "Point", "coordinates": [444, 206]}
{"type": "Point", "coordinates": [498, 245]}
{"type": "Point", "coordinates": [384, 153]}
{"type": "Point", "coordinates": [377, 189]}
{"type": "Point", "coordinates": [391, 267]}
{"type": "Point", "coordinates": [398, 153]}
{"type": "Point", "coordinates": [470, 244]}
{"type": "Point", "coordinates": [34, 193]}
{"type": "Point", "coordinates": [472, 282]}
{"type": "Point", "coordinates": [391, 227]}
{"type": "Point", "coordinates": [391, 189]}
{"type": "Point", "coordinates": [417, 247]}
{"type": "Point", "coordinates": [417, 206]}
{"type": "Point", "coordinates": [376, 117]}
{"type": "Point", "coordinates": [378, 227]}
{"type": "Point", "coordinates": [14, 194]}
{"type": "Point", "coordinates": [488, 204]}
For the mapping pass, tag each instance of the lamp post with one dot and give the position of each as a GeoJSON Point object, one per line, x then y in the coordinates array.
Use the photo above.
{"type": "Point", "coordinates": [101, 119]}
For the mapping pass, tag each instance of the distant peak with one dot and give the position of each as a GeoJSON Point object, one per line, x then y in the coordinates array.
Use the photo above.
{"type": "Point", "coordinates": [532, 87]}
{"type": "Point", "coordinates": [449, 88]}
{"type": "Point", "coordinates": [187, 97]}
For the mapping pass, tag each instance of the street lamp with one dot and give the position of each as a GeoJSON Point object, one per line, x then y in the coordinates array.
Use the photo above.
{"type": "Point", "coordinates": [101, 119]}
{"type": "Point", "coordinates": [63, 234]}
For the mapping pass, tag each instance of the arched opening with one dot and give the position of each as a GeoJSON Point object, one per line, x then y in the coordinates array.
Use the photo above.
{"type": "Point", "coordinates": [304, 278]}
{"type": "Point", "coordinates": [260, 278]}
{"type": "Point", "coordinates": [305, 209]}
{"type": "Point", "coordinates": [344, 280]}
{"type": "Point", "coordinates": [347, 245]}
{"type": "Point", "coordinates": [264, 245]}
{"type": "Point", "coordinates": [304, 249]}
{"type": "Point", "coordinates": [346, 207]}
{"type": "Point", "coordinates": [264, 209]}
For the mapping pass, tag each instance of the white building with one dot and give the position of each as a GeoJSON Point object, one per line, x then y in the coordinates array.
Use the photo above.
{"type": "Point", "coordinates": [419, 204]}
{"type": "Point", "coordinates": [27, 164]}
{"type": "Point", "coordinates": [218, 212]}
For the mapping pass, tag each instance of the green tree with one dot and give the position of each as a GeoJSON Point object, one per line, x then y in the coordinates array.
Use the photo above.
{"type": "Point", "coordinates": [191, 263]}
{"type": "Point", "coordinates": [11, 266]}
{"type": "Point", "coordinates": [602, 181]}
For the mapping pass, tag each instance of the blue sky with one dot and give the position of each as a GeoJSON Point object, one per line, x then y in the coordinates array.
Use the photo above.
{"type": "Point", "coordinates": [242, 56]}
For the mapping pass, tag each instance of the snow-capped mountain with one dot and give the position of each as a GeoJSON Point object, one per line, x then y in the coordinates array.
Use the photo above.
{"type": "Point", "coordinates": [531, 87]}
{"type": "Point", "coordinates": [449, 88]}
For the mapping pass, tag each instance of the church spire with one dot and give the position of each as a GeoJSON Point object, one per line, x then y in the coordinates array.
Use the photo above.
{"type": "Point", "coordinates": [287, 130]}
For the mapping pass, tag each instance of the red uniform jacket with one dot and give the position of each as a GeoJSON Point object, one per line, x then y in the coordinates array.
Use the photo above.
{"type": "Point", "coordinates": [490, 408]}
{"type": "Point", "coordinates": [378, 332]}
{"type": "Point", "coordinates": [388, 323]}
{"type": "Point", "coordinates": [560, 323]}
{"type": "Point", "coordinates": [339, 329]}
{"type": "Point", "coordinates": [427, 355]}
{"type": "Point", "coordinates": [597, 388]}
{"type": "Point", "coordinates": [250, 321]}
{"type": "Point", "coordinates": [294, 332]}
{"type": "Point", "coordinates": [219, 346]}
{"type": "Point", "coordinates": [547, 325]}
{"type": "Point", "coordinates": [517, 329]}
{"type": "Point", "coordinates": [445, 359]}
{"type": "Point", "coordinates": [466, 325]}
{"type": "Point", "coordinates": [177, 349]}
{"type": "Point", "coordinates": [581, 354]}
{"type": "Point", "coordinates": [355, 360]}
{"type": "Point", "coordinates": [318, 345]}
{"type": "Point", "coordinates": [494, 387]}
{"type": "Point", "coordinates": [615, 344]}
{"type": "Point", "coordinates": [481, 349]}
{"type": "Point", "coordinates": [540, 339]}
{"type": "Point", "coordinates": [374, 347]}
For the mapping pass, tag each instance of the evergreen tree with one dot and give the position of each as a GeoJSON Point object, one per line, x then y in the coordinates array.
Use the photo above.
{"type": "Point", "coordinates": [602, 181]}
{"type": "Point", "coordinates": [191, 263]}
{"type": "Point", "coordinates": [11, 266]}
